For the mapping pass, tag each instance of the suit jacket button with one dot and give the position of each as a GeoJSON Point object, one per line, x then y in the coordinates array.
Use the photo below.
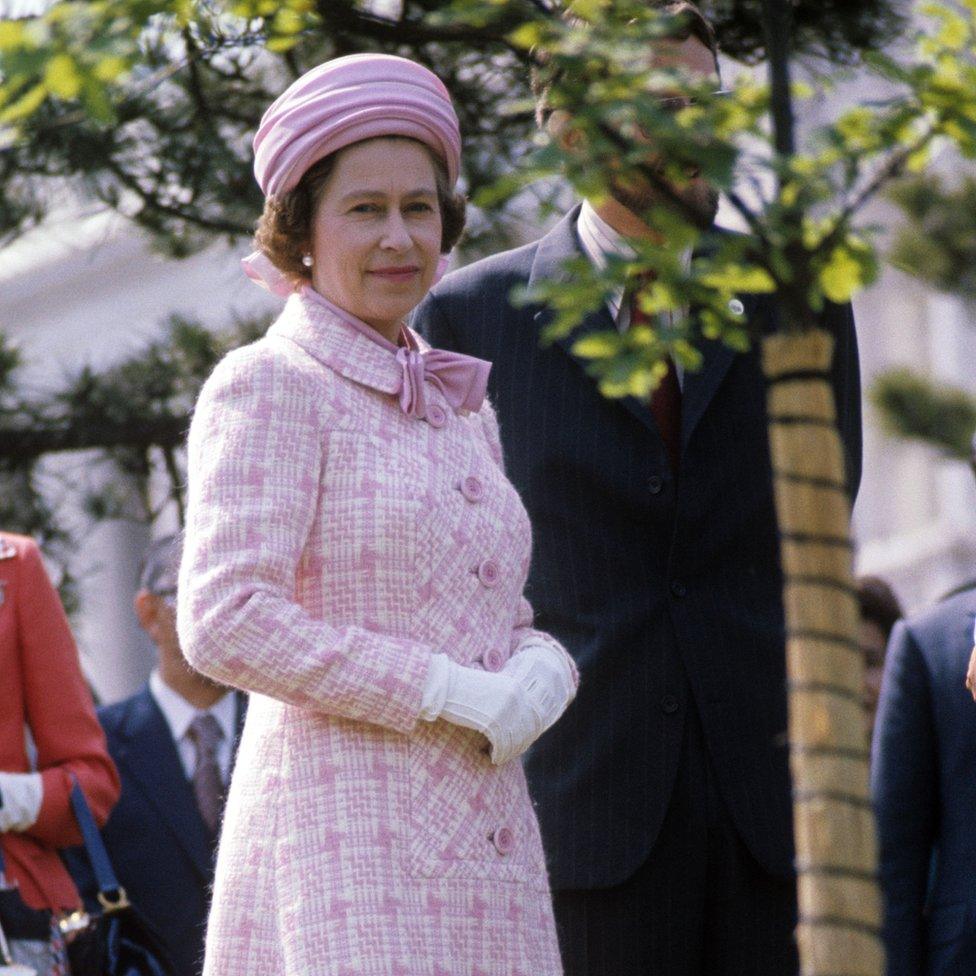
{"type": "Point", "coordinates": [655, 484]}
{"type": "Point", "coordinates": [669, 704]}
{"type": "Point", "coordinates": [678, 589]}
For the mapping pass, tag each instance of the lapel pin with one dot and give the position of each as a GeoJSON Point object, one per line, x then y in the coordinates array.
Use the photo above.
{"type": "Point", "coordinates": [736, 307]}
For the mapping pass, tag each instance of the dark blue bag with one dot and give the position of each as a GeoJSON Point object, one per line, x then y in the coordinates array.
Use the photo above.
{"type": "Point", "coordinates": [116, 942]}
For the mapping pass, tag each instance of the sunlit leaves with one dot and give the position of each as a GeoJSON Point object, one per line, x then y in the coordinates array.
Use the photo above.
{"type": "Point", "coordinates": [848, 268]}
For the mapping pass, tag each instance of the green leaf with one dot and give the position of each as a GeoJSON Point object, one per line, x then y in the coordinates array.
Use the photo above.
{"type": "Point", "coordinates": [23, 107]}
{"type": "Point", "coordinates": [62, 78]}
{"type": "Point", "coordinates": [12, 35]}
{"type": "Point", "coordinates": [841, 277]}
{"type": "Point", "coordinates": [737, 278]}
{"type": "Point", "coordinates": [599, 345]}
{"type": "Point", "coordinates": [527, 35]}
{"type": "Point", "coordinates": [955, 33]}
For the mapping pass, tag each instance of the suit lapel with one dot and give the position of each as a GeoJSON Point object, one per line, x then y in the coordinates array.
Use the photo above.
{"type": "Point", "coordinates": [560, 245]}
{"type": "Point", "coordinates": [701, 385]}
{"type": "Point", "coordinates": [555, 249]}
{"type": "Point", "coordinates": [149, 756]}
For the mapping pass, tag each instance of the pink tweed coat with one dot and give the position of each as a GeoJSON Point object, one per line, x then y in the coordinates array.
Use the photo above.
{"type": "Point", "coordinates": [333, 544]}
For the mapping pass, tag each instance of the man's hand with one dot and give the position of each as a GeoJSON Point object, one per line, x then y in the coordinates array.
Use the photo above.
{"type": "Point", "coordinates": [971, 675]}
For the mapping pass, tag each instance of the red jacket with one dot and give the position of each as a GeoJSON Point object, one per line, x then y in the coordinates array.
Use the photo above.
{"type": "Point", "coordinates": [41, 686]}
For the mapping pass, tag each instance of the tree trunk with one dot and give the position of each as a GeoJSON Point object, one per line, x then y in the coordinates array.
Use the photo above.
{"type": "Point", "coordinates": [836, 851]}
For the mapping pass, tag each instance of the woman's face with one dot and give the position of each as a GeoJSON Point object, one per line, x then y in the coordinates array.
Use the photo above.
{"type": "Point", "coordinates": [376, 232]}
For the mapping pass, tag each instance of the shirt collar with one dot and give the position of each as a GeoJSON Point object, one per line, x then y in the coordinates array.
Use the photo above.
{"type": "Point", "coordinates": [179, 713]}
{"type": "Point", "coordinates": [600, 241]}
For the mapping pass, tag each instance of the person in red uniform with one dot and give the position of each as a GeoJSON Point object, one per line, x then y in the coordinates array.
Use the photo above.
{"type": "Point", "coordinates": [42, 691]}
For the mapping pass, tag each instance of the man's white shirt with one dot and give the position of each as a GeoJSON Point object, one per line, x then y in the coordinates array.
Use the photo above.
{"type": "Point", "coordinates": [179, 713]}
{"type": "Point", "coordinates": [600, 241]}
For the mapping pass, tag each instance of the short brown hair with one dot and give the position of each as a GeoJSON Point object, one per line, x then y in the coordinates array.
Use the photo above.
{"type": "Point", "coordinates": [284, 229]}
{"type": "Point", "coordinates": [691, 22]}
{"type": "Point", "coordinates": [878, 603]}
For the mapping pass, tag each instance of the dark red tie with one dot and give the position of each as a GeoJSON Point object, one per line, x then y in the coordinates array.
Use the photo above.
{"type": "Point", "coordinates": [666, 399]}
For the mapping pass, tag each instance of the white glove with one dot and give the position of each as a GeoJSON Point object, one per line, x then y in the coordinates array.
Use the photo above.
{"type": "Point", "coordinates": [544, 674]}
{"type": "Point", "coordinates": [511, 708]}
{"type": "Point", "coordinates": [20, 800]}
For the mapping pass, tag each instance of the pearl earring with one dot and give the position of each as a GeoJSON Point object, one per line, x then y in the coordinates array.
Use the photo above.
{"type": "Point", "coordinates": [307, 260]}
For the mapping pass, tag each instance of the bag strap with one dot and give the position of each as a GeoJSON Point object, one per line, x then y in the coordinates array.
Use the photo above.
{"type": "Point", "coordinates": [111, 895]}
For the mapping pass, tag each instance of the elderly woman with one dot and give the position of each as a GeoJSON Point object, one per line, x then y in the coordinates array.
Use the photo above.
{"type": "Point", "coordinates": [44, 691]}
{"type": "Point", "coordinates": [355, 558]}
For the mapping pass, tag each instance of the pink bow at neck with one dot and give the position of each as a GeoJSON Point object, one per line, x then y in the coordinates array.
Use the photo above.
{"type": "Point", "coordinates": [461, 379]}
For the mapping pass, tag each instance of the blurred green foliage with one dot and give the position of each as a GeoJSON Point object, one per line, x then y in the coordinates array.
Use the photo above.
{"type": "Point", "coordinates": [915, 408]}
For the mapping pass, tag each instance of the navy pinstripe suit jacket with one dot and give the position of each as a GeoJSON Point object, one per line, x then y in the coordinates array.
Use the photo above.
{"type": "Point", "coordinates": [667, 591]}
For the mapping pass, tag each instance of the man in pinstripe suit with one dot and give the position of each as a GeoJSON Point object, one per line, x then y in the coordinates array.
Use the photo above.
{"type": "Point", "coordinates": [664, 793]}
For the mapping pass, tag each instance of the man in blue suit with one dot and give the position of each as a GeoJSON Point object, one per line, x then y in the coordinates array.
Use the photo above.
{"type": "Point", "coordinates": [923, 781]}
{"type": "Point", "coordinates": [173, 743]}
{"type": "Point", "coordinates": [663, 794]}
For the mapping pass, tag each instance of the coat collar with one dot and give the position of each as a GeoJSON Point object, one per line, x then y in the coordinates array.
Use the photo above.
{"type": "Point", "coordinates": [343, 342]}
{"type": "Point", "coordinates": [562, 244]}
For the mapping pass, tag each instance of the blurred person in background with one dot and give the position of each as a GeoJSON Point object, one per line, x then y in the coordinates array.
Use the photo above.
{"type": "Point", "coordinates": [42, 690]}
{"type": "Point", "coordinates": [879, 612]}
{"type": "Point", "coordinates": [174, 743]}
{"type": "Point", "coordinates": [924, 790]}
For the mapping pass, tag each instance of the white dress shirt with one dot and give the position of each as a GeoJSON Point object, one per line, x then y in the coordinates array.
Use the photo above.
{"type": "Point", "coordinates": [598, 241]}
{"type": "Point", "coordinates": [179, 713]}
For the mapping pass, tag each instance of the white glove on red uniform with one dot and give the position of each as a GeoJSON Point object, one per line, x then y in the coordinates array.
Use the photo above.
{"type": "Point", "coordinates": [20, 800]}
{"type": "Point", "coordinates": [511, 708]}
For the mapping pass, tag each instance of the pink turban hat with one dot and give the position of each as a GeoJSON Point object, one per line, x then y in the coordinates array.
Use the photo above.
{"type": "Point", "coordinates": [347, 100]}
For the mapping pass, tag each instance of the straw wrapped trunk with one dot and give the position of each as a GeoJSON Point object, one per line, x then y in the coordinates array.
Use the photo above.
{"type": "Point", "coordinates": [839, 900]}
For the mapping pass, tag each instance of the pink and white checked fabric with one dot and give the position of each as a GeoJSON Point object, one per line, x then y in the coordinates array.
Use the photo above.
{"type": "Point", "coordinates": [333, 544]}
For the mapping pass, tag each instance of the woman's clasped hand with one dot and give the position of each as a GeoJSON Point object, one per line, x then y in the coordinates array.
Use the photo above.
{"type": "Point", "coordinates": [511, 707]}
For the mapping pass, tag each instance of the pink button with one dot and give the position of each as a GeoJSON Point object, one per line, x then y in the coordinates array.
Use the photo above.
{"type": "Point", "coordinates": [436, 415]}
{"type": "Point", "coordinates": [504, 840]}
{"type": "Point", "coordinates": [488, 573]}
{"type": "Point", "coordinates": [472, 488]}
{"type": "Point", "coordinates": [494, 660]}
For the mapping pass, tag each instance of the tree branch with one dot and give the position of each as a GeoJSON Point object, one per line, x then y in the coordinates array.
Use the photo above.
{"type": "Point", "coordinates": [166, 432]}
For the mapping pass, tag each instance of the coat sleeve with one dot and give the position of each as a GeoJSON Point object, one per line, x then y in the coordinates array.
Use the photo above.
{"type": "Point", "coordinates": [257, 450]}
{"type": "Point", "coordinates": [523, 633]}
{"type": "Point", "coordinates": [60, 711]}
{"type": "Point", "coordinates": [905, 790]}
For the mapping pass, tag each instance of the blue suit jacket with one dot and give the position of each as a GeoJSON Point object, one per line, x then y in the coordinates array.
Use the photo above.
{"type": "Point", "coordinates": [924, 786]}
{"type": "Point", "coordinates": [666, 590]}
{"type": "Point", "coordinates": [159, 846]}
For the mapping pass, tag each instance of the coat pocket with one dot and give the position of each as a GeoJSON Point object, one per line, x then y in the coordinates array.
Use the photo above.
{"type": "Point", "coordinates": [469, 818]}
